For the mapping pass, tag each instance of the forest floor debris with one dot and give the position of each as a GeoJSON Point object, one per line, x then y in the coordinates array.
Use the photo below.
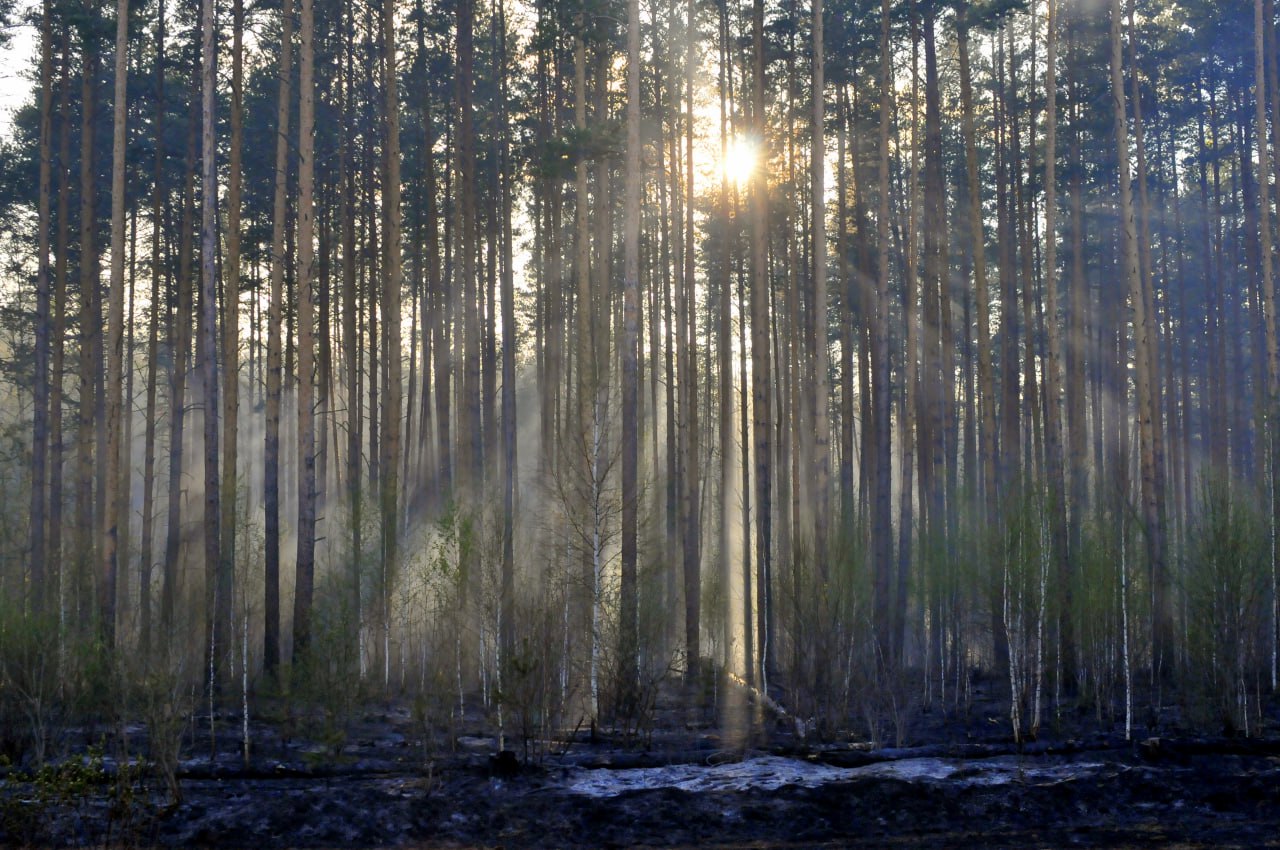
{"type": "Point", "coordinates": [387, 787]}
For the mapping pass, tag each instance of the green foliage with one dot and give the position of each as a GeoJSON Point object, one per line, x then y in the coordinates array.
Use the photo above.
{"type": "Point", "coordinates": [327, 677]}
{"type": "Point", "coordinates": [630, 705]}
{"type": "Point", "coordinates": [63, 793]}
{"type": "Point", "coordinates": [31, 703]}
{"type": "Point", "coordinates": [1226, 590]}
{"type": "Point", "coordinates": [164, 696]}
{"type": "Point", "coordinates": [1097, 620]}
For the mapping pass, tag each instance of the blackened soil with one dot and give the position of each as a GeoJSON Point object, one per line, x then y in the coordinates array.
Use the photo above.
{"type": "Point", "coordinates": [384, 789]}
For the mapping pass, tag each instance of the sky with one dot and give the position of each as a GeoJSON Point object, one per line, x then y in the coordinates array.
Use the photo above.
{"type": "Point", "coordinates": [15, 60]}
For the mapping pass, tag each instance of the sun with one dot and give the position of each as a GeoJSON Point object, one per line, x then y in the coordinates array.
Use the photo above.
{"type": "Point", "coordinates": [739, 161]}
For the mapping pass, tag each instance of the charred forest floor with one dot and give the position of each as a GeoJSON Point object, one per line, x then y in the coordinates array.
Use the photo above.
{"type": "Point", "coordinates": [389, 779]}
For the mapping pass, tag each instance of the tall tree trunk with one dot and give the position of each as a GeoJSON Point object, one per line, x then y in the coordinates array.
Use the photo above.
{"type": "Point", "coordinates": [1162, 613]}
{"type": "Point", "coordinates": [231, 326]}
{"type": "Point", "coordinates": [909, 419]}
{"type": "Point", "coordinates": [55, 544]}
{"type": "Point", "coordinates": [1077, 346]}
{"type": "Point", "coordinates": [692, 555]}
{"type": "Point", "coordinates": [982, 300]}
{"type": "Point", "coordinates": [882, 518]}
{"type": "Point", "coordinates": [849, 327]}
{"type": "Point", "coordinates": [305, 568]}
{"type": "Point", "coordinates": [153, 326]}
{"type": "Point", "coordinates": [472, 445]}
{"type": "Point", "coordinates": [351, 341]}
{"type": "Point", "coordinates": [441, 351]}
{"type": "Point", "coordinates": [217, 576]}
{"type": "Point", "coordinates": [1141, 326]}
{"type": "Point", "coordinates": [628, 639]}
{"type": "Point", "coordinates": [1272, 431]}
{"type": "Point", "coordinates": [90, 328]}
{"type": "Point", "coordinates": [938, 383]}
{"type": "Point", "coordinates": [180, 342]}
{"type": "Point", "coordinates": [724, 322]}
{"type": "Point", "coordinates": [115, 335]}
{"type": "Point", "coordinates": [821, 393]}
{"type": "Point", "coordinates": [37, 595]}
{"type": "Point", "coordinates": [271, 450]}
{"type": "Point", "coordinates": [758, 199]}
{"type": "Point", "coordinates": [391, 316]}
{"type": "Point", "coordinates": [509, 334]}
{"type": "Point", "coordinates": [1053, 375]}
{"type": "Point", "coordinates": [585, 362]}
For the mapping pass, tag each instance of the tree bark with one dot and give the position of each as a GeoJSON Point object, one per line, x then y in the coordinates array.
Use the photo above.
{"type": "Point", "coordinates": [305, 567]}
{"type": "Point", "coordinates": [1140, 320]}
{"type": "Point", "coordinates": [820, 412]}
{"type": "Point", "coordinates": [90, 328]}
{"type": "Point", "coordinates": [217, 576]}
{"type": "Point", "coordinates": [115, 335]}
{"type": "Point", "coordinates": [153, 327]}
{"type": "Point", "coordinates": [1053, 366]}
{"type": "Point", "coordinates": [231, 329]}
{"type": "Point", "coordinates": [271, 450]}
{"type": "Point", "coordinates": [628, 639]}
{"type": "Point", "coordinates": [37, 595]}
{"type": "Point", "coordinates": [882, 518]}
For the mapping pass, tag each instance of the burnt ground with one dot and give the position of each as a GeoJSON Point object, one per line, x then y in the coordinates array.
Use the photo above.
{"type": "Point", "coordinates": [963, 782]}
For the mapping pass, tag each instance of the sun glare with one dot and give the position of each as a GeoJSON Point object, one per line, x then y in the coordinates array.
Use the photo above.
{"type": "Point", "coordinates": [739, 161]}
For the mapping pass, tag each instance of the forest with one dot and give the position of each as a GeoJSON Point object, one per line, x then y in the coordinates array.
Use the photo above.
{"type": "Point", "coordinates": [563, 366]}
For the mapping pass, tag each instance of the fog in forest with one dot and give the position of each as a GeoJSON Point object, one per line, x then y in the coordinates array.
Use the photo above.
{"type": "Point", "coordinates": [834, 371]}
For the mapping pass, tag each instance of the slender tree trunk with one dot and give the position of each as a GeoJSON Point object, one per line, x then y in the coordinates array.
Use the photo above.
{"type": "Point", "coordinates": [304, 576]}
{"type": "Point", "coordinates": [153, 326]}
{"type": "Point", "coordinates": [821, 392]}
{"type": "Point", "coordinates": [509, 335]}
{"type": "Point", "coordinates": [54, 545]}
{"type": "Point", "coordinates": [180, 339]}
{"type": "Point", "coordinates": [912, 426]}
{"type": "Point", "coordinates": [1077, 346]}
{"type": "Point", "coordinates": [982, 300]}
{"type": "Point", "coordinates": [115, 336]}
{"type": "Point", "coordinates": [1272, 429]}
{"type": "Point", "coordinates": [848, 316]}
{"type": "Point", "coordinates": [271, 452]}
{"type": "Point", "coordinates": [115, 498]}
{"type": "Point", "coordinates": [936, 383]}
{"type": "Point", "coordinates": [1053, 375]}
{"type": "Point", "coordinates": [37, 595]}
{"type": "Point", "coordinates": [882, 518]}
{"type": "Point", "coordinates": [628, 639]}
{"type": "Point", "coordinates": [90, 328]}
{"type": "Point", "coordinates": [391, 316]}
{"type": "Point", "coordinates": [231, 272]}
{"type": "Point", "coordinates": [1141, 326]}
{"type": "Point", "coordinates": [1162, 610]}
{"type": "Point", "coordinates": [351, 339]}
{"type": "Point", "coordinates": [217, 576]}
{"type": "Point", "coordinates": [689, 381]}
{"type": "Point", "coordinates": [472, 445]}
